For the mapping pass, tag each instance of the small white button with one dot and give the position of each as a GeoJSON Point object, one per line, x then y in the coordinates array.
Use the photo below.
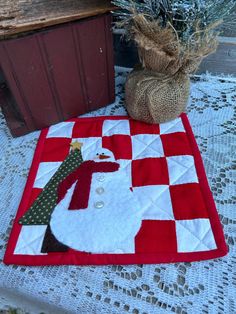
{"type": "Point", "coordinates": [99, 204]}
{"type": "Point", "coordinates": [100, 190]}
{"type": "Point", "coordinates": [101, 178]}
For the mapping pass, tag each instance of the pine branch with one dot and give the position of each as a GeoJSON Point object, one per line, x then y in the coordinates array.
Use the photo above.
{"type": "Point", "coordinates": [184, 15]}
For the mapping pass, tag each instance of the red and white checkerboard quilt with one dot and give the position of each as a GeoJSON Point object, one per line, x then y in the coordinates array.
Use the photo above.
{"type": "Point", "coordinates": [179, 221]}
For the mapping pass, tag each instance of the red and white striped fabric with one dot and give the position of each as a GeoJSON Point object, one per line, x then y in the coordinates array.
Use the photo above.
{"type": "Point", "coordinates": [179, 221]}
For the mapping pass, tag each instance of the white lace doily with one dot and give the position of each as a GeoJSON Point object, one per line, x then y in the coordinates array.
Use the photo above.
{"type": "Point", "coordinates": [202, 287]}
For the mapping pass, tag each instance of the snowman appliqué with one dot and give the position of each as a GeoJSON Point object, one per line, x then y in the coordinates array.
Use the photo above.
{"type": "Point", "coordinates": [97, 212]}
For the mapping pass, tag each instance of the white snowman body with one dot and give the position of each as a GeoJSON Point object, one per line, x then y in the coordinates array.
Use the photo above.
{"type": "Point", "coordinates": [111, 221]}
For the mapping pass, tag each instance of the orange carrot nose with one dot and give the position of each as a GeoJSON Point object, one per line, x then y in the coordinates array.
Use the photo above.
{"type": "Point", "coordinates": [103, 156]}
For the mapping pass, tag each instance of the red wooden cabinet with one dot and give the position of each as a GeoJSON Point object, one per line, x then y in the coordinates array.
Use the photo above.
{"type": "Point", "coordinates": [57, 73]}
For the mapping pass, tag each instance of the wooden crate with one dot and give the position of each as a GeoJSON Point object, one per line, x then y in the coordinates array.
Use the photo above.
{"type": "Point", "coordinates": [56, 73]}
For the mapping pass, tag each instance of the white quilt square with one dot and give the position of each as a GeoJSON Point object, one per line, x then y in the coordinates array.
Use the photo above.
{"type": "Point", "coordinates": [172, 126]}
{"type": "Point", "coordinates": [155, 202]}
{"type": "Point", "coordinates": [181, 169]}
{"type": "Point", "coordinates": [91, 145]}
{"type": "Point", "coordinates": [30, 240]}
{"type": "Point", "coordinates": [194, 235]}
{"type": "Point", "coordinates": [147, 145]}
{"type": "Point", "coordinates": [62, 129]}
{"type": "Point", "coordinates": [115, 127]}
{"type": "Point", "coordinates": [45, 172]}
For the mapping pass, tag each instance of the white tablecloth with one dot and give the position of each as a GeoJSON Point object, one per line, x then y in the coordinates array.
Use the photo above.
{"type": "Point", "coordinates": [202, 287]}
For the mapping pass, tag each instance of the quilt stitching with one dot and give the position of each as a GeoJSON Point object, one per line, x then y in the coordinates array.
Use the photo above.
{"type": "Point", "coordinates": [52, 170]}
{"type": "Point", "coordinates": [153, 202]}
{"type": "Point", "coordinates": [183, 166]}
{"type": "Point", "coordinates": [161, 154]}
{"type": "Point", "coordinates": [180, 176]}
{"type": "Point", "coordinates": [160, 209]}
{"type": "Point", "coordinates": [195, 236]}
{"type": "Point", "coordinates": [202, 243]}
{"type": "Point", "coordinates": [27, 243]}
{"type": "Point", "coordinates": [114, 126]}
{"type": "Point", "coordinates": [178, 120]}
{"type": "Point", "coordinates": [206, 236]}
{"type": "Point", "coordinates": [58, 127]}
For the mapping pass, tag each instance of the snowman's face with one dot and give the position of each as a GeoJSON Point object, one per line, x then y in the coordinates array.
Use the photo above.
{"type": "Point", "coordinates": [104, 154]}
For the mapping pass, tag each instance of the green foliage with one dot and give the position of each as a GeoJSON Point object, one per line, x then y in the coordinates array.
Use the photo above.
{"type": "Point", "coordinates": [186, 16]}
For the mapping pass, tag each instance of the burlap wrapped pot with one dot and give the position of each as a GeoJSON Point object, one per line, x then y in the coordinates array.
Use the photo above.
{"type": "Point", "coordinates": [159, 91]}
{"type": "Point", "coordinates": [156, 98]}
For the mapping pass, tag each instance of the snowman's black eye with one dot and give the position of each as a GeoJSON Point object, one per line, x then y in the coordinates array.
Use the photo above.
{"type": "Point", "coordinates": [97, 154]}
{"type": "Point", "coordinates": [103, 154]}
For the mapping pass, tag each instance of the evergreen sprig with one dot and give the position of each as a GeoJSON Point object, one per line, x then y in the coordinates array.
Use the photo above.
{"type": "Point", "coordinates": [184, 15]}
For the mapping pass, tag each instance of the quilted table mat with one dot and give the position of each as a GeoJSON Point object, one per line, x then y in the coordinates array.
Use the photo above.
{"type": "Point", "coordinates": [112, 190]}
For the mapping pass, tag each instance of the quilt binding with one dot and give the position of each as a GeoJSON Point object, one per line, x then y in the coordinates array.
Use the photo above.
{"type": "Point", "coordinates": [71, 258]}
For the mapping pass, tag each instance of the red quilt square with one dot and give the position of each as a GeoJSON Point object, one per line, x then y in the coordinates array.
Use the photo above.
{"type": "Point", "coordinates": [187, 201]}
{"type": "Point", "coordinates": [34, 194]}
{"type": "Point", "coordinates": [156, 236]}
{"type": "Point", "coordinates": [56, 149]}
{"type": "Point", "coordinates": [149, 171]}
{"type": "Point", "coordinates": [137, 127]}
{"type": "Point", "coordinates": [92, 129]}
{"type": "Point", "coordinates": [120, 145]}
{"type": "Point", "coordinates": [175, 144]}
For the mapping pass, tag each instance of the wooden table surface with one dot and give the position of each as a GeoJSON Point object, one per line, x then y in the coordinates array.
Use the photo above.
{"type": "Point", "coordinates": [17, 16]}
